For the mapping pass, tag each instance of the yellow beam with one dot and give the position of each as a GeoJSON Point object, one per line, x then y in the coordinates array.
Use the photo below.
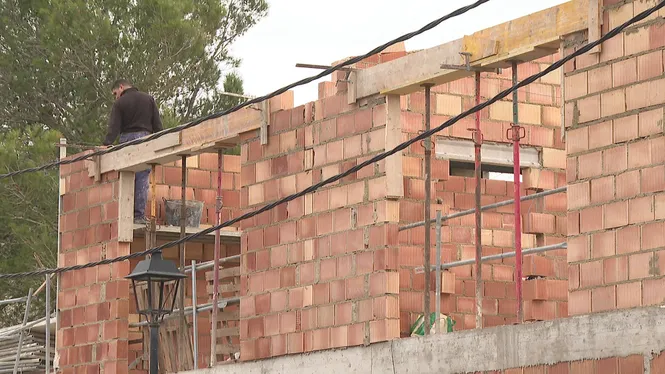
{"type": "Point", "coordinates": [525, 38]}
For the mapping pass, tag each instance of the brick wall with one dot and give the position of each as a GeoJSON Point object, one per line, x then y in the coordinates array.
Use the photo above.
{"type": "Point", "coordinates": [318, 272]}
{"type": "Point", "coordinates": [96, 305]}
{"type": "Point", "coordinates": [543, 221]}
{"type": "Point", "coordinates": [616, 172]}
{"type": "Point", "coordinates": [93, 303]}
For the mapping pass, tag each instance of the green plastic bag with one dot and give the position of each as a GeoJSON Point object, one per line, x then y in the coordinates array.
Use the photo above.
{"type": "Point", "coordinates": [418, 328]}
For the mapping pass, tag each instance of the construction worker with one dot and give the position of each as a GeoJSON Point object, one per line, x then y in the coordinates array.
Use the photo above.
{"type": "Point", "coordinates": [134, 115]}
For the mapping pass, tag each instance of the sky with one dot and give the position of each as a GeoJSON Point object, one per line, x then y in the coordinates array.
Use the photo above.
{"type": "Point", "coordinates": [320, 32]}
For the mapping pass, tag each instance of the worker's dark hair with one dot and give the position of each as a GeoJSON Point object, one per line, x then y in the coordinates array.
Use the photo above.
{"type": "Point", "coordinates": [118, 82]}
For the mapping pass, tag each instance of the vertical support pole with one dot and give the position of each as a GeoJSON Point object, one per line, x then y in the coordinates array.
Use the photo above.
{"type": "Point", "coordinates": [22, 332]}
{"type": "Point", "coordinates": [478, 139]}
{"type": "Point", "coordinates": [516, 135]}
{"type": "Point", "coordinates": [48, 325]}
{"type": "Point", "coordinates": [63, 154]}
{"type": "Point", "coordinates": [152, 229]}
{"type": "Point", "coordinates": [428, 221]}
{"type": "Point", "coordinates": [181, 247]}
{"type": "Point", "coordinates": [195, 317]}
{"type": "Point", "coordinates": [215, 282]}
{"type": "Point", "coordinates": [154, 348]}
{"type": "Point", "coordinates": [438, 272]}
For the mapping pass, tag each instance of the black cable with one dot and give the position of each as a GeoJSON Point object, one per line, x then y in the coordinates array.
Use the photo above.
{"type": "Point", "coordinates": [256, 100]}
{"type": "Point", "coordinates": [354, 169]}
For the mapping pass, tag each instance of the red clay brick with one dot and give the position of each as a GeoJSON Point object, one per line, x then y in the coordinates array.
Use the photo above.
{"type": "Point", "coordinates": [603, 299]}
{"type": "Point", "coordinates": [631, 365]}
{"type": "Point", "coordinates": [579, 302]}
{"type": "Point", "coordinates": [603, 244]}
{"type": "Point", "coordinates": [652, 179]}
{"type": "Point", "coordinates": [591, 219]}
{"type": "Point", "coordinates": [588, 109]}
{"type": "Point", "coordinates": [625, 128]}
{"type": "Point", "coordinates": [629, 295]}
{"type": "Point", "coordinates": [615, 214]}
{"type": "Point", "coordinates": [624, 72]}
{"type": "Point", "coordinates": [590, 165]}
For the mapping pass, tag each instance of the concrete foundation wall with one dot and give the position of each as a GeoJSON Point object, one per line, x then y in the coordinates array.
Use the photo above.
{"type": "Point", "coordinates": [629, 341]}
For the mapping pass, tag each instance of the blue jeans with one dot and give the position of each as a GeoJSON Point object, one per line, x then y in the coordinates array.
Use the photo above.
{"type": "Point", "coordinates": [141, 178]}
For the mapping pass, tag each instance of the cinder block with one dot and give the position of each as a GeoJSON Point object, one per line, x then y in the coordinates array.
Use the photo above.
{"type": "Point", "coordinates": [545, 289]}
{"type": "Point", "coordinates": [448, 281]}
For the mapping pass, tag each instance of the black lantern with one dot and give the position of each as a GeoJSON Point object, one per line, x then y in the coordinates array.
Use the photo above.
{"type": "Point", "coordinates": [161, 279]}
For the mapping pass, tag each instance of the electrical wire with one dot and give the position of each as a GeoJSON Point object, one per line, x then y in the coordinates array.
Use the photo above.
{"type": "Point", "coordinates": [255, 100]}
{"type": "Point", "coordinates": [354, 169]}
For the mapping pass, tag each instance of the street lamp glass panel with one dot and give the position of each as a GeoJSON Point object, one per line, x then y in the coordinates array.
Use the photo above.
{"type": "Point", "coordinates": [159, 279]}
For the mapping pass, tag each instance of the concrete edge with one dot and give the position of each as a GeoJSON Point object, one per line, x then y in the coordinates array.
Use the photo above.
{"type": "Point", "coordinates": [611, 334]}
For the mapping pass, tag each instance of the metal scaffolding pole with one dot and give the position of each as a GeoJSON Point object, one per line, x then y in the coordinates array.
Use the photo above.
{"type": "Point", "coordinates": [195, 317]}
{"type": "Point", "coordinates": [182, 335]}
{"type": "Point", "coordinates": [63, 154]}
{"type": "Point", "coordinates": [22, 332]}
{"type": "Point", "coordinates": [428, 203]}
{"type": "Point", "coordinates": [438, 271]}
{"type": "Point", "coordinates": [478, 140]}
{"type": "Point", "coordinates": [47, 361]}
{"type": "Point", "coordinates": [489, 207]}
{"type": "Point", "coordinates": [216, 261]}
{"type": "Point", "coordinates": [516, 134]}
{"type": "Point", "coordinates": [500, 256]}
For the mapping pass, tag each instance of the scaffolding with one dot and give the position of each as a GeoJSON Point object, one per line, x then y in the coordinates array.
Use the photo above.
{"type": "Point", "coordinates": [513, 134]}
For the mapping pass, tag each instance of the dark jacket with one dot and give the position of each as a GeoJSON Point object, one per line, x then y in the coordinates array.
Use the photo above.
{"type": "Point", "coordinates": [134, 111]}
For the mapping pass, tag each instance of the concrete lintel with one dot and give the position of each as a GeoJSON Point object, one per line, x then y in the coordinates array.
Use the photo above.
{"type": "Point", "coordinates": [611, 334]}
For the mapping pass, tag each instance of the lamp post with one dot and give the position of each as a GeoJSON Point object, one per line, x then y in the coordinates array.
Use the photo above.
{"type": "Point", "coordinates": [156, 273]}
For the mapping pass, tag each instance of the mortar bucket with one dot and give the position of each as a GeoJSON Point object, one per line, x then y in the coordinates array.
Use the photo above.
{"type": "Point", "coordinates": [193, 210]}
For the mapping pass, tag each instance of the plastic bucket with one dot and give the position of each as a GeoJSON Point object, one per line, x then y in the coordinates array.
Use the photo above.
{"type": "Point", "coordinates": [193, 211]}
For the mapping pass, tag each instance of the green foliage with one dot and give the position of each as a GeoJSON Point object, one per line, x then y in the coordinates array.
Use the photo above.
{"type": "Point", "coordinates": [28, 214]}
{"type": "Point", "coordinates": [59, 59]}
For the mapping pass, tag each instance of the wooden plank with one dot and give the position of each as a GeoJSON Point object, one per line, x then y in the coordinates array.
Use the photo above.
{"type": "Point", "coordinates": [167, 141]}
{"type": "Point", "coordinates": [394, 173]}
{"type": "Point", "coordinates": [351, 88]}
{"type": "Point", "coordinates": [228, 331]}
{"type": "Point", "coordinates": [265, 121]}
{"type": "Point", "coordinates": [228, 315]}
{"type": "Point", "coordinates": [126, 207]}
{"type": "Point", "coordinates": [227, 349]}
{"type": "Point", "coordinates": [225, 288]}
{"type": "Point", "coordinates": [224, 273]}
{"type": "Point", "coordinates": [190, 141]}
{"type": "Point", "coordinates": [595, 21]}
{"type": "Point", "coordinates": [528, 37]}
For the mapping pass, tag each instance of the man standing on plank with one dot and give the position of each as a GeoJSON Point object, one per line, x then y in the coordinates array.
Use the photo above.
{"type": "Point", "coordinates": [134, 115]}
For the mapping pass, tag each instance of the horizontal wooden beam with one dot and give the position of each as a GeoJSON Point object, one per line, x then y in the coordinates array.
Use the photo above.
{"type": "Point", "coordinates": [170, 147]}
{"type": "Point", "coordinates": [526, 38]}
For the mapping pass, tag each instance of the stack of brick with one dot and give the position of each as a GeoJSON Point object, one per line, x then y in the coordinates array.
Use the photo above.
{"type": "Point", "coordinates": [93, 302]}
{"type": "Point", "coordinates": [320, 271]}
{"type": "Point", "coordinates": [544, 222]}
{"type": "Point", "coordinates": [614, 120]}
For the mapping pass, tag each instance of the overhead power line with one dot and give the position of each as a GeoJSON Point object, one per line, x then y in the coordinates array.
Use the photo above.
{"type": "Point", "coordinates": [256, 100]}
{"type": "Point", "coordinates": [354, 169]}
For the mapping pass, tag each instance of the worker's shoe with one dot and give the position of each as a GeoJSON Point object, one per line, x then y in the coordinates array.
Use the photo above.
{"type": "Point", "coordinates": [141, 221]}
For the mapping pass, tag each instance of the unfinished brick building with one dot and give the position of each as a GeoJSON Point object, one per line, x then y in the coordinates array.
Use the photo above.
{"type": "Point", "coordinates": [333, 269]}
